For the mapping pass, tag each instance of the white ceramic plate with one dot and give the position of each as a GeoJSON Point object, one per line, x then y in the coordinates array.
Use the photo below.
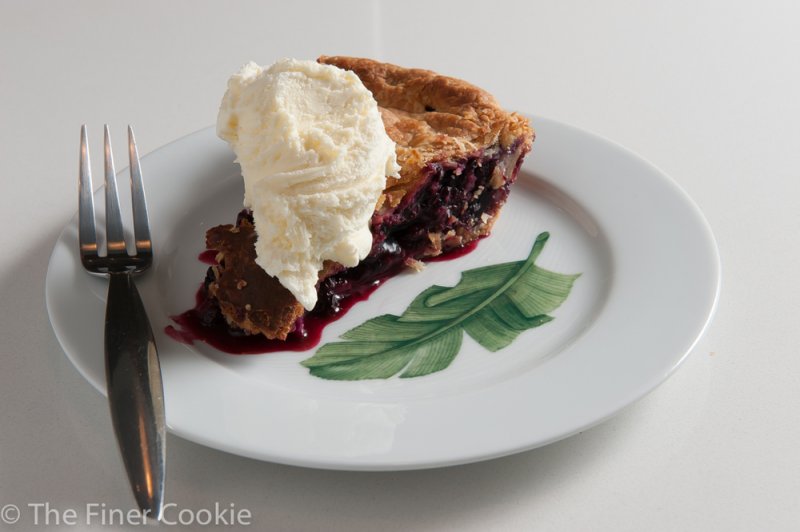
{"type": "Point", "coordinates": [649, 283]}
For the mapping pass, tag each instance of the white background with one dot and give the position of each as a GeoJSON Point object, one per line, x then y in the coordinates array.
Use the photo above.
{"type": "Point", "coordinates": [707, 90]}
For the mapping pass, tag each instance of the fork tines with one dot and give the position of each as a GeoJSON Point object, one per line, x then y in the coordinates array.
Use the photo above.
{"type": "Point", "coordinates": [117, 257]}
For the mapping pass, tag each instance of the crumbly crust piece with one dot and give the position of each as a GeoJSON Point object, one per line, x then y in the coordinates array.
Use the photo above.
{"type": "Point", "coordinates": [433, 118]}
{"type": "Point", "coordinates": [248, 297]}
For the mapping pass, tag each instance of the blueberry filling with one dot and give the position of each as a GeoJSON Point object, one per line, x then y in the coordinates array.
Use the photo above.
{"type": "Point", "coordinates": [452, 201]}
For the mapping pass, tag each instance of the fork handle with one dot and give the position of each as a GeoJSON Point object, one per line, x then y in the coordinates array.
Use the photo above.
{"type": "Point", "coordinates": [135, 392]}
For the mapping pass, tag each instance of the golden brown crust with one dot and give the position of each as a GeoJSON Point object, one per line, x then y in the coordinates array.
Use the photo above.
{"type": "Point", "coordinates": [432, 118]}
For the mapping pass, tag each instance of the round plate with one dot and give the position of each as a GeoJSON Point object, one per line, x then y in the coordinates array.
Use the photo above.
{"type": "Point", "coordinates": [648, 286]}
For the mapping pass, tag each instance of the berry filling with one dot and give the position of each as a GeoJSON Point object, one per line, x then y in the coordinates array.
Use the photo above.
{"type": "Point", "coordinates": [454, 206]}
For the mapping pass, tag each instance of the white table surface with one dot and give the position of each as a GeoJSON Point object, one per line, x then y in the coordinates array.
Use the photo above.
{"type": "Point", "coordinates": [707, 90]}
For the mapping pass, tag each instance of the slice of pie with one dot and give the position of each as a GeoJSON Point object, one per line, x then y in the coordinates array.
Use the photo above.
{"type": "Point", "coordinates": [459, 153]}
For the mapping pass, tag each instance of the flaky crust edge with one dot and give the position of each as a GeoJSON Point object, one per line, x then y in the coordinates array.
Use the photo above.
{"type": "Point", "coordinates": [433, 118]}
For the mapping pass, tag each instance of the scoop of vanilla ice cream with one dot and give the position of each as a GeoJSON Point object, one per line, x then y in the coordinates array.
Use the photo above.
{"type": "Point", "coordinates": [314, 156]}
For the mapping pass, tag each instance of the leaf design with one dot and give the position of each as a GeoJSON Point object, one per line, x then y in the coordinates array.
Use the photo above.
{"type": "Point", "coordinates": [493, 304]}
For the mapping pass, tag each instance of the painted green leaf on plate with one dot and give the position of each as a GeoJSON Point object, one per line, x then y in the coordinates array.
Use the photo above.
{"type": "Point", "coordinates": [492, 304]}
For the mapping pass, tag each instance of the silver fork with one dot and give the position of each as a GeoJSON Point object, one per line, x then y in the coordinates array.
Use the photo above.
{"type": "Point", "coordinates": [133, 373]}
